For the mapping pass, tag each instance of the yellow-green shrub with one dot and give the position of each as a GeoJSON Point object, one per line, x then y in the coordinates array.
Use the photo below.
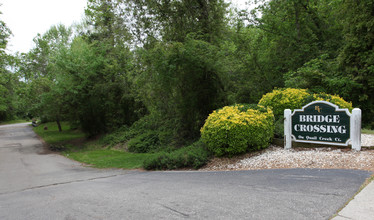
{"type": "Point", "coordinates": [280, 99]}
{"type": "Point", "coordinates": [335, 99]}
{"type": "Point", "coordinates": [237, 129]}
{"type": "Point", "coordinates": [288, 98]}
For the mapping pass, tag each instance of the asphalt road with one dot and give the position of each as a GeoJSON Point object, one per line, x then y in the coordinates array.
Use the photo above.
{"type": "Point", "coordinates": [37, 185]}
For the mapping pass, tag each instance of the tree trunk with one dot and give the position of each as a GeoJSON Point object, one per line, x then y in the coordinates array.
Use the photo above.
{"type": "Point", "coordinates": [58, 124]}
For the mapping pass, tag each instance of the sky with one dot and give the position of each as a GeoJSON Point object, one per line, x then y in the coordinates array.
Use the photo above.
{"type": "Point", "coordinates": [27, 18]}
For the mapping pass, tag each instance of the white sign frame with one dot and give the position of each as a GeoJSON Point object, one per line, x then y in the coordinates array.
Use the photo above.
{"type": "Point", "coordinates": [355, 127]}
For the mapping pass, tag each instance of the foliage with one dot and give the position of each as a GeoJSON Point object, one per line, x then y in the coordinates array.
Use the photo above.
{"type": "Point", "coordinates": [335, 99]}
{"type": "Point", "coordinates": [144, 143]}
{"type": "Point", "coordinates": [289, 98]}
{"type": "Point", "coordinates": [299, 30]}
{"type": "Point", "coordinates": [356, 57]}
{"type": "Point", "coordinates": [312, 75]}
{"type": "Point", "coordinates": [244, 64]}
{"type": "Point", "coordinates": [8, 86]}
{"type": "Point", "coordinates": [181, 83]}
{"type": "Point", "coordinates": [150, 72]}
{"type": "Point", "coordinates": [193, 156]}
{"type": "Point", "coordinates": [320, 75]}
{"type": "Point", "coordinates": [5, 33]}
{"type": "Point", "coordinates": [145, 135]}
{"type": "Point", "coordinates": [237, 129]}
{"type": "Point", "coordinates": [8, 80]}
{"type": "Point", "coordinates": [173, 21]}
{"type": "Point", "coordinates": [286, 98]}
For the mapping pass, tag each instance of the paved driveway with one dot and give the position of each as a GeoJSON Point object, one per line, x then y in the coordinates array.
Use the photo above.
{"type": "Point", "coordinates": [35, 185]}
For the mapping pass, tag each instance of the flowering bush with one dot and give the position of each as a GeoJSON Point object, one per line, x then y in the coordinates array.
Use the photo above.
{"type": "Point", "coordinates": [236, 129]}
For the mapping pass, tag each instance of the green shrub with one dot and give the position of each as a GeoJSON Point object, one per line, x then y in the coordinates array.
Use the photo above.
{"type": "Point", "coordinates": [149, 129]}
{"type": "Point", "coordinates": [193, 156]}
{"type": "Point", "coordinates": [280, 99]}
{"type": "Point", "coordinates": [144, 143]}
{"type": "Point", "coordinates": [118, 136]}
{"type": "Point", "coordinates": [237, 129]}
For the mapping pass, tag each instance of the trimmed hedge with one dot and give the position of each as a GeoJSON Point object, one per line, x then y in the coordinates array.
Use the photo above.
{"type": "Point", "coordinates": [237, 129]}
{"type": "Point", "coordinates": [288, 98]}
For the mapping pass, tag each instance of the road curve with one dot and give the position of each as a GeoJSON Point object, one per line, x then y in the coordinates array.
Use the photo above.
{"type": "Point", "coordinates": [37, 185]}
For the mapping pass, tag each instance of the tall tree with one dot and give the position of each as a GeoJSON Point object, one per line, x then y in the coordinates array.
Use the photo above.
{"type": "Point", "coordinates": [102, 54]}
{"type": "Point", "coordinates": [7, 79]}
{"type": "Point", "coordinates": [171, 20]}
{"type": "Point", "coordinates": [39, 69]}
{"type": "Point", "coordinates": [301, 30]}
{"type": "Point", "coordinates": [356, 58]}
{"type": "Point", "coordinates": [178, 64]}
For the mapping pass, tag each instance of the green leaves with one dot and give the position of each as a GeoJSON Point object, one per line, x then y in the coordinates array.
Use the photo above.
{"type": "Point", "coordinates": [236, 129]}
{"type": "Point", "coordinates": [181, 81]}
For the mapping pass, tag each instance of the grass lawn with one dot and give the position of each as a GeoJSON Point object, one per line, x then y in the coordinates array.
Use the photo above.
{"type": "Point", "coordinates": [13, 122]}
{"type": "Point", "coordinates": [107, 158]}
{"type": "Point", "coordinates": [367, 131]}
{"type": "Point", "coordinates": [53, 136]}
{"type": "Point", "coordinates": [88, 152]}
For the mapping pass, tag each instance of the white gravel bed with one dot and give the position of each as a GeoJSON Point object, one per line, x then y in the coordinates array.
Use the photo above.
{"type": "Point", "coordinates": [276, 157]}
{"type": "Point", "coordinates": [367, 140]}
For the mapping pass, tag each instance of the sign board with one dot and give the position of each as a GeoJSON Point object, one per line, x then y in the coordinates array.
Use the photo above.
{"type": "Point", "coordinates": [322, 122]}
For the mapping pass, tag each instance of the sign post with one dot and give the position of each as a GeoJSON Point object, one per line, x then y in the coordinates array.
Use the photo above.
{"type": "Point", "coordinates": [322, 122]}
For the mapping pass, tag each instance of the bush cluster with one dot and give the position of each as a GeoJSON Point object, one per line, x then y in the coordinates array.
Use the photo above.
{"type": "Point", "coordinates": [237, 129]}
{"type": "Point", "coordinates": [289, 98]}
{"type": "Point", "coordinates": [193, 156]}
{"type": "Point", "coordinates": [144, 143]}
{"type": "Point", "coordinates": [145, 135]}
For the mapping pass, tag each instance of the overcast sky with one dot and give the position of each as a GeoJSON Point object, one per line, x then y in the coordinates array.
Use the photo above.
{"type": "Point", "coordinates": [27, 18]}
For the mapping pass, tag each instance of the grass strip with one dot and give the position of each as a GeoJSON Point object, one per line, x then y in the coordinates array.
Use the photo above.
{"type": "Point", "coordinates": [107, 158]}
{"type": "Point", "coordinates": [88, 152]}
{"type": "Point", "coordinates": [367, 131]}
{"type": "Point", "coordinates": [50, 134]}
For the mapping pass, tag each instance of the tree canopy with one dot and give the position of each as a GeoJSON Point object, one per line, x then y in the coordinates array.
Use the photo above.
{"type": "Point", "coordinates": [167, 64]}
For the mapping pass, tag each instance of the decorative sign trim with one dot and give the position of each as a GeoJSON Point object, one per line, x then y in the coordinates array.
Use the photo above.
{"type": "Point", "coordinates": [337, 109]}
